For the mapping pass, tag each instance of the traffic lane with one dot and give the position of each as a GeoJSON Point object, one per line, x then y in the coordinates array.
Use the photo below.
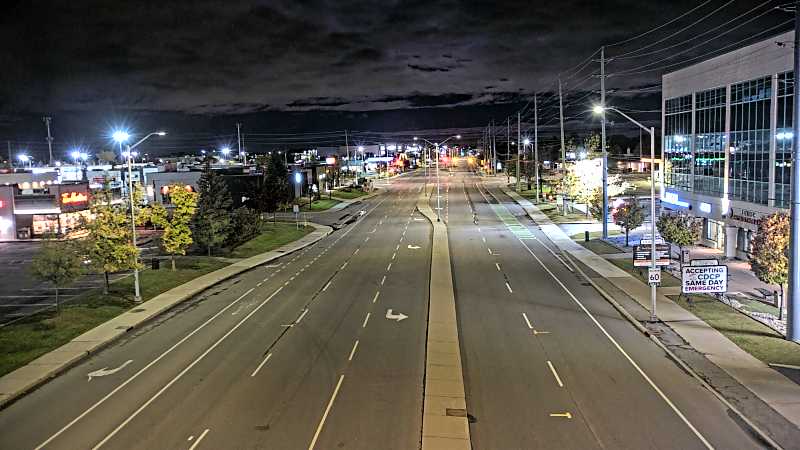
{"type": "Point", "coordinates": [379, 404]}
{"type": "Point", "coordinates": [148, 345]}
{"type": "Point", "coordinates": [508, 393]}
{"type": "Point", "coordinates": [701, 409]}
{"type": "Point", "coordinates": [206, 394]}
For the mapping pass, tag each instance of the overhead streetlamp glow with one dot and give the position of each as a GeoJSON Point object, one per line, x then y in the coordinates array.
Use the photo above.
{"type": "Point", "coordinates": [24, 158]}
{"type": "Point", "coordinates": [161, 133]}
{"type": "Point", "coordinates": [120, 136]}
{"type": "Point", "coordinates": [75, 154]}
{"type": "Point", "coordinates": [526, 141]}
{"type": "Point", "coordinates": [84, 156]}
{"type": "Point", "coordinates": [598, 109]}
{"type": "Point", "coordinates": [226, 151]}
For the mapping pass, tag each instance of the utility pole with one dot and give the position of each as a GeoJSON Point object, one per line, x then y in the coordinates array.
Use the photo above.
{"type": "Point", "coordinates": [49, 138]}
{"type": "Point", "coordinates": [536, 144]}
{"type": "Point", "coordinates": [603, 139]}
{"type": "Point", "coordinates": [239, 139]}
{"type": "Point", "coordinates": [561, 119]}
{"type": "Point", "coordinates": [508, 140]}
{"type": "Point", "coordinates": [347, 148]}
{"type": "Point", "coordinates": [10, 160]}
{"type": "Point", "coordinates": [793, 313]}
{"type": "Point", "coordinates": [519, 145]}
{"type": "Point", "coordinates": [494, 150]}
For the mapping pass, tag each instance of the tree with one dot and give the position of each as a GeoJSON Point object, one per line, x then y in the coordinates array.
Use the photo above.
{"type": "Point", "coordinates": [177, 235]}
{"type": "Point", "coordinates": [629, 216]}
{"type": "Point", "coordinates": [58, 263]}
{"type": "Point", "coordinates": [212, 223]}
{"type": "Point", "coordinates": [109, 244]}
{"type": "Point", "coordinates": [247, 223]}
{"type": "Point", "coordinates": [274, 185]}
{"type": "Point", "coordinates": [679, 229]}
{"type": "Point", "coordinates": [769, 258]}
{"type": "Point", "coordinates": [107, 156]}
{"type": "Point", "coordinates": [584, 179]}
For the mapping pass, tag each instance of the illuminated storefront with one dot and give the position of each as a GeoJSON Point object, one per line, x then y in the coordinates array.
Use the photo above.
{"type": "Point", "coordinates": [33, 208]}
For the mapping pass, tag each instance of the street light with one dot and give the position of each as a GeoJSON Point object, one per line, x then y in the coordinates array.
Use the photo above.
{"type": "Point", "coordinates": [122, 137]}
{"type": "Point", "coordinates": [76, 155]}
{"type": "Point", "coordinates": [598, 109]}
{"type": "Point", "coordinates": [438, 197]}
{"type": "Point", "coordinates": [225, 152]}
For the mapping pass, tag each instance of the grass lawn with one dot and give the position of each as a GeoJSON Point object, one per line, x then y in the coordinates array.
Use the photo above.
{"type": "Point", "coordinates": [320, 205]}
{"type": "Point", "coordinates": [596, 234]}
{"type": "Point", "coordinates": [599, 246]}
{"type": "Point", "coordinates": [345, 195]}
{"type": "Point", "coordinates": [34, 336]}
{"type": "Point", "coordinates": [759, 340]}
{"type": "Point", "coordinates": [272, 237]}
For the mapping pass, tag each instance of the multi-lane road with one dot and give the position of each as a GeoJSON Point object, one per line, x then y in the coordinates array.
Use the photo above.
{"type": "Point", "coordinates": [325, 349]}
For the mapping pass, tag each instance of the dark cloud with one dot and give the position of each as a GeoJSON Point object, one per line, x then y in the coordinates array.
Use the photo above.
{"type": "Point", "coordinates": [224, 57]}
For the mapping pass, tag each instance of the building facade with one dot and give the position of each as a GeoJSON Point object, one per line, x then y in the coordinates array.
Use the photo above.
{"type": "Point", "coordinates": [727, 128]}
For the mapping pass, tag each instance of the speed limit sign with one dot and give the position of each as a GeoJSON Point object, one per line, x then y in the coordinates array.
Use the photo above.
{"type": "Point", "coordinates": [654, 275]}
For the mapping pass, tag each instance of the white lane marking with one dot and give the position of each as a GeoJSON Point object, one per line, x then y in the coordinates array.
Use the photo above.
{"type": "Point", "coordinates": [401, 239]}
{"type": "Point", "coordinates": [383, 280]}
{"type": "Point", "coordinates": [622, 351]}
{"type": "Point", "coordinates": [509, 288]}
{"type": "Point", "coordinates": [292, 278]}
{"type": "Point", "coordinates": [327, 285]}
{"type": "Point", "coordinates": [343, 265]}
{"type": "Point", "coordinates": [490, 250]}
{"type": "Point", "coordinates": [375, 299]}
{"type": "Point", "coordinates": [106, 371]}
{"type": "Point", "coordinates": [305, 311]}
{"type": "Point", "coordinates": [389, 267]}
{"type": "Point", "coordinates": [259, 284]}
{"type": "Point", "coordinates": [199, 438]}
{"type": "Point", "coordinates": [353, 351]}
{"type": "Point", "coordinates": [366, 319]}
{"type": "Point", "coordinates": [394, 255]}
{"type": "Point", "coordinates": [286, 283]}
{"type": "Point", "coordinates": [142, 370]}
{"type": "Point", "coordinates": [397, 247]}
{"type": "Point", "coordinates": [264, 361]}
{"type": "Point", "coordinates": [413, 247]}
{"type": "Point", "coordinates": [325, 415]}
{"type": "Point", "coordinates": [367, 239]}
{"type": "Point", "coordinates": [555, 374]}
{"type": "Point", "coordinates": [356, 252]}
{"type": "Point", "coordinates": [404, 233]}
{"type": "Point", "coordinates": [498, 267]}
{"type": "Point", "coordinates": [483, 239]}
{"type": "Point", "coordinates": [525, 316]}
{"type": "Point", "coordinates": [479, 230]}
{"type": "Point", "coordinates": [185, 370]}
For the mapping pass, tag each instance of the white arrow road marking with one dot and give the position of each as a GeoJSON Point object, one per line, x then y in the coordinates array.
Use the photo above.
{"type": "Point", "coordinates": [413, 247]}
{"type": "Point", "coordinates": [416, 219]}
{"type": "Point", "coordinates": [106, 371]}
{"type": "Point", "coordinates": [398, 317]}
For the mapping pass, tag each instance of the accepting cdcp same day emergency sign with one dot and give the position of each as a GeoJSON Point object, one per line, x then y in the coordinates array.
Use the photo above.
{"type": "Point", "coordinates": [704, 279]}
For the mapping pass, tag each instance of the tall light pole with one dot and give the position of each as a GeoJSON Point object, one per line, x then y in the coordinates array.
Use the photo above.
{"type": "Point", "coordinates": [439, 197]}
{"type": "Point", "coordinates": [601, 110]}
{"type": "Point", "coordinates": [49, 138]}
{"type": "Point", "coordinates": [793, 315]}
{"type": "Point", "coordinates": [122, 137]}
{"type": "Point", "coordinates": [603, 141]}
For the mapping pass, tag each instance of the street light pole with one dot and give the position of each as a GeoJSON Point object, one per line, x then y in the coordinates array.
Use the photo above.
{"type": "Point", "coordinates": [436, 146]}
{"type": "Point", "coordinates": [793, 305]}
{"type": "Point", "coordinates": [652, 131]}
{"type": "Point", "coordinates": [603, 143]}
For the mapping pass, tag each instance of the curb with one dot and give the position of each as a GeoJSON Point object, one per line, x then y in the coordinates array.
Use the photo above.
{"type": "Point", "coordinates": [65, 357]}
{"type": "Point", "coordinates": [445, 424]}
{"type": "Point", "coordinates": [638, 325]}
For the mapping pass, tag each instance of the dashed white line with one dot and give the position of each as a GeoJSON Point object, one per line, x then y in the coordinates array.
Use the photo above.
{"type": "Point", "coordinates": [525, 316]}
{"type": "Point", "coordinates": [366, 319]}
{"type": "Point", "coordinates": [356, 252]}
{"type": "Point", "coordinates": [394, 255]}
{"type": "Point", "coordinates": [367, 239]}
{"type": "Point", "coordinates": [397, 247]}
{"type": "Point", "coordinates": [498, 267]}
{"type": "Point", "coordinates": [483, 239]}
{"type": "Point", "coordinates": [509, 288]}
{"type": "Point", "coordinates": [259, 284]}
{"type": "Point", "coordinates": [199, 438]}
{"type": "Point", "coordinates": [490, 250]}
{"type": "Point", "coordinates": [327, 285]}
{"type": "Point", "coordinates": [325, 415]}
{"type": "Point", "coordinates": [260, 365]}
{"type": "Point", "coordinates": [343, 265]}
{"type": "Point", "coordinates": [389, 267]}
{"type": "Point", "coordinates": [555, 374]}
{"type": "Point", "coordinates": [353, 351]}
{"type": "Point", "coordinates": [305, 311]}
{"type": "Point", "coordinates": [375, 299]}
{"type": "Point", "coordinates": [383, 280]}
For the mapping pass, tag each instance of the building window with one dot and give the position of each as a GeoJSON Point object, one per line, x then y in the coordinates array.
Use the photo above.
{"type": "Point", "coordinates": [743, 240]}
{"type": "Point", "coordinates": [677, 144]}
{"type": "Point", "coordinates": [783, 139]}
{"type": "Point", "coordinates": [709, 141]}
{"type": "Point", "coordinates": [750, 133]}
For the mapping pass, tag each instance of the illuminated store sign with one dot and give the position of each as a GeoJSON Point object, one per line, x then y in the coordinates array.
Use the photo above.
{"type": "Point", "coordinates": [672, 198]}
{"type": "Point", "coordinates": [71, 198]}
{"type": "Point", "coordinates": [705, 207]}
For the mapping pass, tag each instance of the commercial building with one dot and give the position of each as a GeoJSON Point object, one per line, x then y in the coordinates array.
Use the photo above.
{"type": "Point", "coordinates": [727, 128]}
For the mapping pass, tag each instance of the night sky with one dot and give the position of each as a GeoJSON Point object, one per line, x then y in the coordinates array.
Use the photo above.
{"type": "Point", "coordinates": [196, 68]}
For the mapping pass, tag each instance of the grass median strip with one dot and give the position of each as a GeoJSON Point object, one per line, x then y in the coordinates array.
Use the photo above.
{"type": "Point", "coordinates": [27, 339]}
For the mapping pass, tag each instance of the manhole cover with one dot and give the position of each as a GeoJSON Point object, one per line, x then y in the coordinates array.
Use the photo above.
{"type": "Point", "coordinates": [456, 412]}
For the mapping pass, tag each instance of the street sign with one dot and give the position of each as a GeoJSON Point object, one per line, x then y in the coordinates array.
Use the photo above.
{"type": "Point", "coordinates": [648, 241]}
{"type": "Point", "coordinates": [295, 208]}
{"type": "Point", "coordinates": [641, 255]}
{"type": "Point", "coordinates": [704, 262]}
{"type": "Point", "coordinates": [704, 279]}
{"type": "Point", "coordinates": [654, 275]}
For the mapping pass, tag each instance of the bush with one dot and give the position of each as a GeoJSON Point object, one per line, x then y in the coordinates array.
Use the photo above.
{"type": "Point", "coordinates": [246, 224]}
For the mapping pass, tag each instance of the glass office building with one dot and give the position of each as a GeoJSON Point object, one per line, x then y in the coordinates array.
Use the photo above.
{"type": "Point", "coordinates": [727, 127]}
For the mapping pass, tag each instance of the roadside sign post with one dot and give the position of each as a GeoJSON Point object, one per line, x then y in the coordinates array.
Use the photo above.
{"type": "Point", "coordinates": [697, 279]}
{"type": "Point", "coordinates": [654, 276]}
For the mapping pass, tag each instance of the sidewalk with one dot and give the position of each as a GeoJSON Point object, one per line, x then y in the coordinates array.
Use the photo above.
{"type": "Point", "coordinates": [21, 381]}
{"type": "Point", "coordinates": [773, 388]}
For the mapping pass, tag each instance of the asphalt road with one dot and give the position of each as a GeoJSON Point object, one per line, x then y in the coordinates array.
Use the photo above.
{"type": "Point", "coordinates": [547, 362]}
{"type": "Point", "coordinates": [301, 353]}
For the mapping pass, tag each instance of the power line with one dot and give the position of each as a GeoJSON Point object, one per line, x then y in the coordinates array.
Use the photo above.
{"type": "Point", "coordinates": [660, 26]}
